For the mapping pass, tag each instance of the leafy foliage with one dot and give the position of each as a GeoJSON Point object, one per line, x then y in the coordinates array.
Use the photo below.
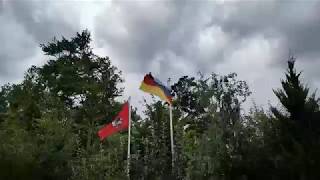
{"type": "Point", "coordinates": [49, 121]}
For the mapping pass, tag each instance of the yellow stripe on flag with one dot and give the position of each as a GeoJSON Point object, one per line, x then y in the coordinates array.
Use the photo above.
{"type": "Point", "coordinates": [155, 90]}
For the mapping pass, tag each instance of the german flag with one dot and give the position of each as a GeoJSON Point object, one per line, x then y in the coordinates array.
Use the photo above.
{"type": "Point", "coordinates": [155, 87]}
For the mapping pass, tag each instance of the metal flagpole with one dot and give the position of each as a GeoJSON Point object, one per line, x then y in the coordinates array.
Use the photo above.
{"type": "Point", "coordinates": [129, 137]}
{"type": "Point", "coordinates": [171, 135]}
{"type": "Point", "coordinates": [171, 131]}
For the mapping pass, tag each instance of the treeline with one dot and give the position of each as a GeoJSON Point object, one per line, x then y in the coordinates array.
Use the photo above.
{"type": "Point", "coordinates": [49, 124]}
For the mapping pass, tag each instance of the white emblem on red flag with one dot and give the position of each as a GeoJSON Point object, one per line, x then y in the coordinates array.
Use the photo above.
{"type": "Point", "coordinates": [117, 122]}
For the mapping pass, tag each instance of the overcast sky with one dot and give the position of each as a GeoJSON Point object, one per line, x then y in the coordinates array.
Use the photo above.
{"type": "Point", "coordinates": [171, 38]}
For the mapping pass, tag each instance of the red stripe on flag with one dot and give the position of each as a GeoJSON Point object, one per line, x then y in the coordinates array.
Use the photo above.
{"type": "Point", "coordinates": [148, 79]}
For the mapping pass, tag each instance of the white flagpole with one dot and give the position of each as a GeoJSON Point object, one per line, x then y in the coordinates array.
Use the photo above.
{"type": "Point", "coordinates": [171, 135]}
{"type": "Point", "coordinates": [171, 130]}
{"type": "Point", "coordinates": [129, 137]}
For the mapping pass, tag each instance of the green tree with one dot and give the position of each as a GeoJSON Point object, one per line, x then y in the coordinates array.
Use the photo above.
{"type": "Point", "coordinates": [298, 124]}
{"type": "Point", "coordinates": [213, 126]}
{"type": "Point", "coordinates": [194, 97]}
{"type": "Point", "coordinates": [54, 111]}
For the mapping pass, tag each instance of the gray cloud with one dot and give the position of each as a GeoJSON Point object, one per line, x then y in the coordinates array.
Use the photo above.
{"type": "Point", "coordinates": [24, 25]}
{"type": "Point", "coordinates": [252, 38]}
{"type": "Point", "coordinates": [15, 50]}
{"type": "Point", "coordinates": [143, 31]}
{"type": "Point", "coordinates": [45, 19]}
{"type": "Point", "coordinates": [172, 38]}
{"type": "Point", "coordinates": [293, 24]}
{"type": "Point", "coordinates": [296, 22]}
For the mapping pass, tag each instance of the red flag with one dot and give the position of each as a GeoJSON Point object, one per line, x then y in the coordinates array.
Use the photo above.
{"type": "Point", "coordinates": [119, 123]}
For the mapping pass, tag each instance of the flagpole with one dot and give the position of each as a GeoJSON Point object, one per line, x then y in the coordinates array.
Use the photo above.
{"type": "Point", "coordinates": [171, 136]}
{"type": "Point", "coordinates": [171, 130]}
{"type": "Point", "coordinates": [129, 137]}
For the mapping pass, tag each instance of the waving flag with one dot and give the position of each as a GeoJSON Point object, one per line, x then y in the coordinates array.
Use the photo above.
{"type": "Point", "coordinates": [155, 87]}
{"type": "Point", "coordinates": [119, 123]}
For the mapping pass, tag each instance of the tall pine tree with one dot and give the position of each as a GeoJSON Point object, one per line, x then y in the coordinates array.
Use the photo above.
{"type": "Point", "coordinates": [298, 128]}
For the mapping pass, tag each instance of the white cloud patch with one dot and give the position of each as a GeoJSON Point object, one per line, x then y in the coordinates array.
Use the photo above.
{"type": "Point", "coordinates": [252, 61]}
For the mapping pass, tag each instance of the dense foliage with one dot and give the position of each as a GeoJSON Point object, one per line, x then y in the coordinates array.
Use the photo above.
{"type": "Point", "coordinates": [49, 124]}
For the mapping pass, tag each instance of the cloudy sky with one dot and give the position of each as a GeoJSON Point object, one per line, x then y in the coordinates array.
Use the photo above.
{"type": "Point", "coordinates": [171, 38]}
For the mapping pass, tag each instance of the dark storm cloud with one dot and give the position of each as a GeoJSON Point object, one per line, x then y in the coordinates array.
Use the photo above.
{"type": "Point", "coordinates": [43, 20]}
{"type": "Point", "coordinates": [171, 38]}
{"type": "Point", "coordinates": [139, 32]}
{"type": "Point", "coordinates": [251, 38]}
{"type": "Point", "coordinates": [175, 26]}
{"type": "Point", "coordinates": [296, 22]}
{"type": "Point", "coordinates": [15, 50]}
{"type": "Point", "coordinates": [1, 5]}
{"type": "Point", "coordinates": [24, 25]}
